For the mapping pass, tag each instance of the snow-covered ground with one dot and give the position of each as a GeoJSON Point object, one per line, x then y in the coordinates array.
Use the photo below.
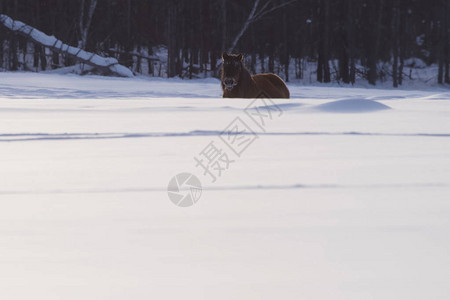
{"type": "Point", "coordinates": [343, 194]}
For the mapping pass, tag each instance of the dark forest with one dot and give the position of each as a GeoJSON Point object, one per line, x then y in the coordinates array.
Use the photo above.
{"type": "Point", "coordinates": [343, 39]}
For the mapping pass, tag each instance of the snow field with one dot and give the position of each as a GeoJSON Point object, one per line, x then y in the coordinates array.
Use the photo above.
{"type": "Point", "coordinates": [345, 196]}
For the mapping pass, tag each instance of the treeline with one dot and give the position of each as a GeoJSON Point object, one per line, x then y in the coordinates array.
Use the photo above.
{"type": "Point", "coordinates": [345, 39]}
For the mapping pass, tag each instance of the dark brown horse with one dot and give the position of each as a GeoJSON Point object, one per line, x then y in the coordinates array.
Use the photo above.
{"type": "Point", "coordinates": [238, 83]}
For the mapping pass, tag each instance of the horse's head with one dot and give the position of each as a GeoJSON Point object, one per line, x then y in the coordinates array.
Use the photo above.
{"type": "Point", "coordinates": [231, 70]}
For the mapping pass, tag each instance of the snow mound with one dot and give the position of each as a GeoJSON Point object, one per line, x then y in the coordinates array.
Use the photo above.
{"type": "Point", "coordinates": [352, 106]}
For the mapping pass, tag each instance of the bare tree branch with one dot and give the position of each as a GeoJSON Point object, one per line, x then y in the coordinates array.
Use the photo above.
{"type": "Point", "coordinates": [254, 16]}
{"type": "Point", "coordinates": [263, 8]}
{"type": "Point", "coordinates": [244, 28]}
{"type": "Point", "coordinates": [262, 13]}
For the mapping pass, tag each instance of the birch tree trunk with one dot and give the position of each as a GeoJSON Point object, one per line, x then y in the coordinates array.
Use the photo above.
{"type": "Point", "coordinates": [244, 28]}
{"type": "Point", "coordinates": [85, 24]}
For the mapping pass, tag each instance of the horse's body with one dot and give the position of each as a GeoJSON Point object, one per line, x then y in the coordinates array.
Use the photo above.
{"type": "Point", "coordinates": [238, 83]}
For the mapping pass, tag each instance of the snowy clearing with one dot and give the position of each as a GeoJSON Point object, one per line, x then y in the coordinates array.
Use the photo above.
{"type": "Point", "coordinates": [343, 196]}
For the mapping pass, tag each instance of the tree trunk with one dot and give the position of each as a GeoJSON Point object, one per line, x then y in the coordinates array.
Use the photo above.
{"type": "Point", "coordinates": [36, 57]}
{"type": "Point", "coordinates": [1, 52]}
{"type": "Point", "coordinates": [286, 69]}
{"type": "Point", "coordinates": [171, 36]}
{"type": "Point", "coordinates": [402, 42]}
{"type": "Point", "coordinates": [323, 68]}
{"type": "Point", "coordinates": [373, 51]}
{"type": "Point", "coordinates": [447, 75]}
{"type": "Point", "coordinates": [441, 48]}
{"type": "Point", "coordinates": [271, 65]}
{"type": "Point", "coordinates": [13, 60]}
{"type": "Point", "coordinates": [261, 58]}
{"type": "Point", "coordinates": [85, 24]}
{"type": "Point", "coordinates": [245, 26]}
{"type": "Point", "coordinates": [395, 37]}
{"type": "Point", "coordinates": [55, 60]}
{"type": "Point", "coordinates": [285, 45]}
{"type": "Point", "coordinates": [446, 41]}
{"type": "Point", "coordinates": [43, 58]}
{"type": "Point", "coordinates": [223, 8]}
{"type": "Point", "coordinates": [326, 77]}
{"type": "Point", "coordinates": [351, 25]}
{"type": "Point", "coordinates": [213, 59]}
{"type": "Point", "coordinates": [298, 68]}
{"type": "Point", "coordinates": [344, 56]}
{"type": "Point", "coordinates": [253, 51]}
{"type": "Point", "coordinates": [139, 61]}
